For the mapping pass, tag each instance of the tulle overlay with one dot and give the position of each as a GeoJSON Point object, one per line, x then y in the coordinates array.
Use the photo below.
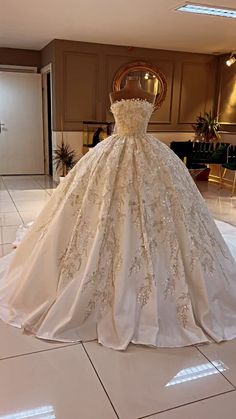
{"type": "Point", "coordinates": [124, 251]}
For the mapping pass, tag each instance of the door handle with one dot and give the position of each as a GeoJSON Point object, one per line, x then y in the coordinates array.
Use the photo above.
{"type": "Point", "coordinates": [1, 125]}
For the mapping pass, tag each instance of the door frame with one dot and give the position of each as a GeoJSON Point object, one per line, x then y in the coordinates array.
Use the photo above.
{"type": "Point", "coordinates": [44, 72]}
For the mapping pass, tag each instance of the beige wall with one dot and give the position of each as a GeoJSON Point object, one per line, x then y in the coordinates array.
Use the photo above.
{"type": "Point", "coordinates": [83, 75]}
{"type": "Point", "coordinates": [227, 95]}
{"type": "Point", "coordinates": [21, 57]}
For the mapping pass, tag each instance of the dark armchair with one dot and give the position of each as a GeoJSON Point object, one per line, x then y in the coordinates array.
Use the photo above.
{"type": "Point", "coordinates": [184, 150]}
{"type": "Point", "coordinates": [209, 153]}
{"type": "Point", "coordinates": [200, 154]}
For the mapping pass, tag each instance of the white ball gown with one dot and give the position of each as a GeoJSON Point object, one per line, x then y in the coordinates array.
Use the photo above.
{"type": "Point", "coordinates": [124, 251]}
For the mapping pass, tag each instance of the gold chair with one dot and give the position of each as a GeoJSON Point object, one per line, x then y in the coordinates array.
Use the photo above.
{"type": "Point", "coordinates": [230, 165]}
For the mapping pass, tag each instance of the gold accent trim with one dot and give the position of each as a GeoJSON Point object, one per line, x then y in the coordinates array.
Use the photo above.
{"type": "Point", "coordinates": [139, 66]}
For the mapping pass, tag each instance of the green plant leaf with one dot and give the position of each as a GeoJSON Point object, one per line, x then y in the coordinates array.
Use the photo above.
{"type": "Point", "coordinates": [64, 158]}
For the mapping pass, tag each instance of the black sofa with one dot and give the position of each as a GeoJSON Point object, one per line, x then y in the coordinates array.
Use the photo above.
{"type": "Point", "coordinates": [200, 153]}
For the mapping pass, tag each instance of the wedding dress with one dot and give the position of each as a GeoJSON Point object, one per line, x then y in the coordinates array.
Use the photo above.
{"type": "Point", "coordinates": [124, 251]}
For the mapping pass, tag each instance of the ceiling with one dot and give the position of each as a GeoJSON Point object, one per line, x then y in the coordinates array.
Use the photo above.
{"type": "Point", "coordinates": [154, 24]}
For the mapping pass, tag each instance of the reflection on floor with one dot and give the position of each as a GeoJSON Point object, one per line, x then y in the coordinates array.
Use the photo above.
{"type": "Point", "coordinates": [219, 201]}
{"type": "Point", "coordinates": [49, 380]}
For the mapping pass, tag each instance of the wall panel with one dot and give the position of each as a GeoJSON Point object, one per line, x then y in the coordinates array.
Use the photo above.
{"type": "Point", "coordinates": [80, 78]}
{"type": "Point", "coordinates": [227, 93]}
{"type": "Point", "coordinates": [83, 80]}
{"type": "Point", "coordinates": [195, 91]}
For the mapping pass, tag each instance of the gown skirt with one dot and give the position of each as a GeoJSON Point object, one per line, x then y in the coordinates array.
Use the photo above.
{"type": "Point", "coordinates": [124, 251]}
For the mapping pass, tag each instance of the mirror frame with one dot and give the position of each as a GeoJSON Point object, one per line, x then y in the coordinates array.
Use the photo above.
{"type": "Point", "coordinates": [142, 66]}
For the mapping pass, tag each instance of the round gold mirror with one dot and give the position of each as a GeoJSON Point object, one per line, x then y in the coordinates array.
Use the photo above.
{"type": "Point", "coordinates": [151, 78]}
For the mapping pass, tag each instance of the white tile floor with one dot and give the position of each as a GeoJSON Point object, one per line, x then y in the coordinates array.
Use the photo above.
{"type": "Point", "coordinates": [219, 201]}
{"type": "Point", "coordinates": [49, 380]}
{"type": "Point", "coordinates": [21, 200]}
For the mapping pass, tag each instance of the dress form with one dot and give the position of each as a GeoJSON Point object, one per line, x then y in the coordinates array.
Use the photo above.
{"type": "Point", "coordinates": [132, 90]}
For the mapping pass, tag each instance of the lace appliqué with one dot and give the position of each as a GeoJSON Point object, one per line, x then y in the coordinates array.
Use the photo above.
{"type": "Point", "coordinates": [137, 221]}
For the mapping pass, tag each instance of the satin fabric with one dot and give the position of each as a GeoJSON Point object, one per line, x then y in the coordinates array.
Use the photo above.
{"type": "Point", "coordinates": [124, 251]}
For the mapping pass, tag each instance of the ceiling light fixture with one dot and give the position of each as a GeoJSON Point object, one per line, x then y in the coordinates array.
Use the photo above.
{"type": "Point", "coordinates": [207, 10]}
{"type": "Point", "coordinates": [231, 60]}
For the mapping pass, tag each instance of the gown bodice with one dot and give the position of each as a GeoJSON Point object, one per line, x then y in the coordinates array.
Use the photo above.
{"type": "Point", "coordinates": [131, 116]}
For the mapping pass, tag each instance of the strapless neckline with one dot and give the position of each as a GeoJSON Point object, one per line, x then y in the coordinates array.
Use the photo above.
{"type": "Point", "coordinates": [132, 100]}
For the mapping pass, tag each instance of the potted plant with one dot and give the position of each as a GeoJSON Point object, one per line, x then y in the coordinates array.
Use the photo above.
{"type": "Point", "coordinates": [207, 128]}
{"type": "Point", "coordinates": [64, 158]}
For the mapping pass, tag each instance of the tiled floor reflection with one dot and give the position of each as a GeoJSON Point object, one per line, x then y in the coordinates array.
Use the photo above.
{"type": "Point", "coordinates": [21, 200]}
{"type": "Point", "coordinates": [219, 201]}
{"type": "Point", "coordinates": [50, 380]}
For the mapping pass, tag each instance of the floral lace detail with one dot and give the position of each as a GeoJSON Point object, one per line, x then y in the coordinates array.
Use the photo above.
{"type": "Point", "coordinates": [171, 232]}
{"type": "Point", "coordinates": [138, 112]}
{"type": "Point", "coordinates": [131, 229]}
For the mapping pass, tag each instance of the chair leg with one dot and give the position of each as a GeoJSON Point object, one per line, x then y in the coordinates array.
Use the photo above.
{"type": "Point", "coordinates": [234, 183]}
{"type": "Point", "coordinates": [220, 176]}
{"type": "Point", "coordinates": [224, 173]}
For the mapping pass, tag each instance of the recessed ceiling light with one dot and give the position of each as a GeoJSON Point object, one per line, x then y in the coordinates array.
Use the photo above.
{"type": "Point", "coordinates": [207, 10]}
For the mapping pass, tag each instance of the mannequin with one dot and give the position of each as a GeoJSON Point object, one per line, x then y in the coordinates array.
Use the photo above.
{"type": "Point", "coordinates": [132, 90]}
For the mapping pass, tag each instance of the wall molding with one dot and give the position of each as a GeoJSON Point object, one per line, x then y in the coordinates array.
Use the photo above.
{"type": "Point", "coordinates": [184, 65]}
